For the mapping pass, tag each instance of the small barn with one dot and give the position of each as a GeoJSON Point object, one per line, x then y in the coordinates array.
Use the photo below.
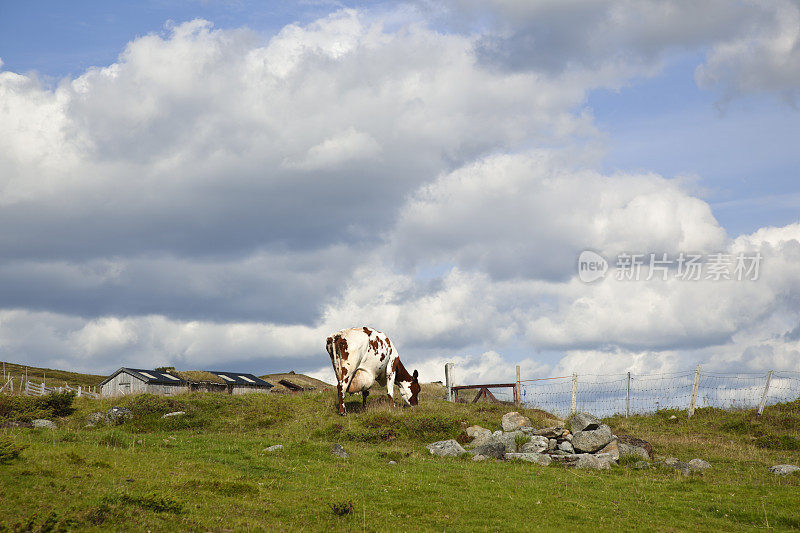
{"type": "Point", "coordinates": [127, 381]}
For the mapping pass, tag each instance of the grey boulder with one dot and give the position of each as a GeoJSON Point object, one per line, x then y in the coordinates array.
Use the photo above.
{"type": "Point", "coordinates": [118, 415]}
{"type": "Point", "coordinates": [42, 423]}
{"type": "Point", "coordinates": [446, 448]}
{"type": "Point", "coordinates": [496, 450]}
{"type": "Point", "coordinates": [784, 470]}
{"type": "Point", "coordinates": [583, 421]}
{"type": "Point", "coordinates": [338, 451]}
{"type": "Point", "coordinates": [513, 421]}
{"type": "Point", "coordinates": [699, 464]}
{"type": "Point", "coordinates": [276, 447]}
{"type": "Point", "coordinates": [593, 462]}
{"type": "Point", "coordinates": [536, 444]}
{"type": "Point", "coordinates": [591, 440]}
{"type": "Point", "coordinates": [475, 432]}
{"type": "Point", "coordinates": [566, 446]}
{"type": "Point", "coordinates": [538, 458]}
{"type": "Point", "coordinates": [629, 449]}
{"type": "Point", "coordinates": [175, 413]}
{"type": "Point", "coordinates": [95, 418]}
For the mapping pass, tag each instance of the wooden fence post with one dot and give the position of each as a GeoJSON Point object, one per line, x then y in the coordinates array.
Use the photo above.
{"type": "Point", "coordinates": [764, 396]}
{"type": "Point", "coordinates": [518, 390]}
{"type": "Point", "coordinates": [694, 391]}
{"type": "Point", "coordinates": [574, 407]}
{"type": "Point", "coordinates": [448, 378]}
{"type": "Point", "coordinates": [628, 398]}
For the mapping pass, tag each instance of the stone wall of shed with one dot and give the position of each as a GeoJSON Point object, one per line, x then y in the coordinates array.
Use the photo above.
{"type": "Point", "coordinates": [240, 389]}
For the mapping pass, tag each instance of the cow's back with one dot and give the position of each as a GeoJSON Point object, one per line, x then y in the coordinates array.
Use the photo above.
{"type": "Point", "coordinates": [355, 349]}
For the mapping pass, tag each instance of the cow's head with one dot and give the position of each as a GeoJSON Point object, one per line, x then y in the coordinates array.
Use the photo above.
{"type": "Point", "coordinates": [409, 390]}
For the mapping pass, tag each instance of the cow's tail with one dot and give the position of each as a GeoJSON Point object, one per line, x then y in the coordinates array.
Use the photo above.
{"type": "Point", "coordinates": [336, 359]}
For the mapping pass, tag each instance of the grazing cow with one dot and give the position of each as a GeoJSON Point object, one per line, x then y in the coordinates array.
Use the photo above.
{"type": "Point", "coordinates": [362, 356]}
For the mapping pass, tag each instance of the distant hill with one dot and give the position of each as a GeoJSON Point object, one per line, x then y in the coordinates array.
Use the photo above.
{"type": "Point", "coordinates": [51, 376]}
{"type": "Point", "coordinates": [307, 382]}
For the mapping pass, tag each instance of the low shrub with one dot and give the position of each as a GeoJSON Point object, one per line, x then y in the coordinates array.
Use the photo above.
{"type": "Point", "coordinates": [778, 442]}
{"type": "Point", "coordinates": [341, 508]}
{"type": "Point", "coordinates": [9, 450]}
{"type": "Point", "coordinates": [27, 408]}
{"type": "Point", "coordinates": [150, 502]}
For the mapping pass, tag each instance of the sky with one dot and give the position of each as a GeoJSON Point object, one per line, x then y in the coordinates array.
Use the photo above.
{"type": "Point", "coordinates": [224, 184]}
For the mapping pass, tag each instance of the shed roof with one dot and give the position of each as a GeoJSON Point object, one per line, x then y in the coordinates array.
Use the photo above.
{"type": "Point", "coordinates": [241, 378]}
{"type": "Point", "coordinates": [148, 376]}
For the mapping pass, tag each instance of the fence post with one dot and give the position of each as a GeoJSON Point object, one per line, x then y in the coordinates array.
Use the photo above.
{"type": "Point", "coordinates": [518, 390]}
{"type": "Point", "coordinates": [574, 407]}
{"type": "Point", "coordinates": [628, 398]}
{"type": "Point", "coordinates": [694, 391]}
{"type": "Point", "coordinates": [448, 379]}
{"type": "Point", "coordinates": [764, 396]}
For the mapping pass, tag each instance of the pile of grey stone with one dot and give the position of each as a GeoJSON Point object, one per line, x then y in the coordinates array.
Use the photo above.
{"type": "Point", "coordinates": [582, 442]}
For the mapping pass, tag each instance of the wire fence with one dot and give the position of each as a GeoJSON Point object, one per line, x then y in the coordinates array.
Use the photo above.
{"type": "Point", "coordinates": [610, 394]}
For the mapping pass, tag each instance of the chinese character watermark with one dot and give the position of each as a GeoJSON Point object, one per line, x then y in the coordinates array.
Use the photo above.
{"type": "Point", "coordinates": [716, 266]}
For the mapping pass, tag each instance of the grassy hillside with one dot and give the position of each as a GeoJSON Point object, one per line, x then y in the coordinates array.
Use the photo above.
{"type": "Point", "coordinates": [298, 379]}
{"type": "Point", "coordinates": [52, 377]}
{"type": "Point", "coordinates": [209, 471]}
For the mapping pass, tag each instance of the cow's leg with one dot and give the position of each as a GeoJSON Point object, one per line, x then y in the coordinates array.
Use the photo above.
{"type": "Point", "coordinates": [364, 395]}
{"type": "Point", "coordinates": [340, 392]}
{"type": "Point", "coordinates": [390, 380]}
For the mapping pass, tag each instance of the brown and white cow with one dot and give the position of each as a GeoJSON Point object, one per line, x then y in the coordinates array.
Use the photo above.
{"type": "Point", "coordinates": [362, 356]}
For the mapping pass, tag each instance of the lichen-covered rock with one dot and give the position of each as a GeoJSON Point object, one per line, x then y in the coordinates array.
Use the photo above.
{"type": "Point", "coordinates": [784, 470]}
{"type": "Point", "coordinates": [536, 444]}
{"type": "Point", "coordinates": [676, 464]}
{"type": "Point", "coordinates": [640, 465]}
{"type": "Point", "coordinates": [538, 458]}
{"type": "Point", "coordinates": [480, 457]}
{"type": "Point", "coordinates": [277, 448]}
{"type": "Point", "coordinates": [583, 422]}
{"type": "Point", "coordinates": [634, 441]}
{"type": "Point", "coordinates": [612, 449]}
{"type": "Point", "coordinates": [589, 461]}
{"type": "Point", "coordinates": [513, 421]}
{"type": "Point", "coordinates": [95, 419]}
{"type": "Point", "coordinates": [174, 413]}
{"type": "Point", "coordinates": [566, 447]}
{"type": "Point", "coordinates": [699, 464]}
{"type": "Point", "coordinates": [591, 440]}
{"type": "Point", "coordinates": [555, 432]}
{"type": "Point", "coordinates": [509, 439]}
{"type": "Point", "coordinates": [42, 423]}
{"type": "Point", "coordinates": [118, 415]}
{"type": "Point", "coordinates": [629, 449]}
{"type": "Point", "coordinates": [338, 451]}
{"type": "Point", "coordinates": [475, 432]}
{"type": "Point", "coordinates": [495, 449]}
{"type": "Point", "coordinates": [446, 448]}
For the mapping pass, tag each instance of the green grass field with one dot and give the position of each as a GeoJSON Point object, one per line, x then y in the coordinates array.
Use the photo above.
{"type": "Point", "coordinates": [208, 471]}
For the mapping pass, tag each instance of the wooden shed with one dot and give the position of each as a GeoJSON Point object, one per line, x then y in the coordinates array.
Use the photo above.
{"type": "Point", "coordinates": [241, 383]}
{"type": "Point", "coordinates": [127, 381]}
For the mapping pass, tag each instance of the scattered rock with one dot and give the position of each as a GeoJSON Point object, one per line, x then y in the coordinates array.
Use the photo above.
{"type": "Point", "coordinates": [677, 464]}
{"type": "Point", "coordinates": [446, 448]}
{"type": "Point", "coordinates": [633, 441]}
{"type": "Point", "coordinates": [591, 440]}
{"type": "Point", "coordinates": [612, 449]}
{"type": "Point", "coordinates": [95, 418]}
{"type": "Point", "coordinates": [513, 421]}
{"type": "Point", "coordinates": [338, 451]}
{"type": "Point", "coordinates": [118, 415]}
{"type": "Point", "coordinates": [628, 449]}
{"type": "Point", "coordinates": [475, 432]}
{"type": "Point", "coordinates": [537, 444]}
{"type": "Point", "coordinates": [509, 439]}
{"type": "Point", "coordinates": [672, 417]}
{"type": "Point", "coordinates": [555, 432]}
{"type": "Point", "coordinates": [583, 422]}
{"type": "Point", "coordinates": [42, 423]}
{"type": "Point", "coordinates": [566, 446]}
{"type": "Point", "coordinates": [176, 413]}
{"type": "Point", "coordinates": [552, 444]}
{"type": "Point", "coordinates": [392, 462]}
{"type": "Point", "coordinates": [16, 424]}
{"type": "Point", "coordinates": [784, 470]}
{"type": "Point", "coordinates": [278, 447]}
{"type": "Point", "coordinates": [586, 460]}
{"type": "Point", "coordinates": [479, 457]}
{"type": "Point", "coordinates": [492, 449]}
{"type": "Point", "coordinates": [538, 458]}
{"type": "Point", "coordinates": [699, 464]}
{"type": "Point", "coordinates": [640, 465]}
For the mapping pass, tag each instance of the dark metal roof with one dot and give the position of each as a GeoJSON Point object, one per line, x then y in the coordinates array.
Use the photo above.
{"type": "Point", "coordinates": [148, 376]}
{"type": "Point", "coordinates": [240, 378]}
